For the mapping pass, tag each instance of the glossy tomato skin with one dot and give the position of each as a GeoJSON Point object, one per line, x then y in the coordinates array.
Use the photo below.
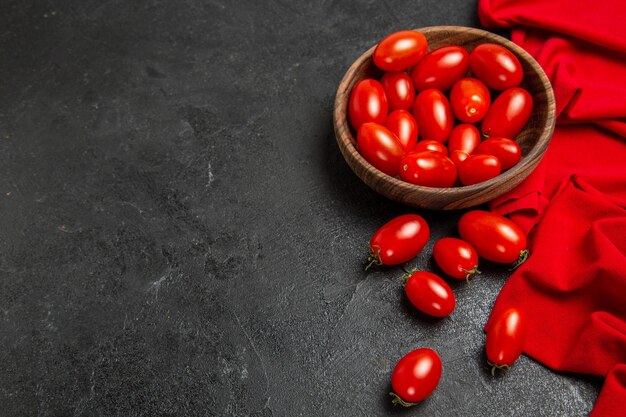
{"type": "Point", "coordinates": [402, 124]}
{"type": "Point", "coordinates": [400, 239]}
{"type": "Point", "coordinates": [494, 237]}
{"type": "Point", "coordinates": [479, 168]}
{"type": "Point", "coordinates": [440, 68]}
{"type": "Point", "coordinates": [496, 66]}
{"type": "Point", "coordinates": [431, 145]}
{"type": "Point", "coordinates": [506, 150]}
{"type": "Point", "coordinates": [429, 169]}
{"type": "Point", "coordinates": [416, 375]}
{"type": "Point", "coordinates": [508, 114]}
{"type": "Point", "coordinates": [430, 294]}
{"type": "Point", "coordinates": [368, 103]}
{"type": "Point", "coordinates": [464, 137]}
{"type": "Point", "coordinates": [505, 338]}
{"type": "Point", "coordinates": [456, 257]}
{"type": "Point", "coordinates": [433, 115]}
{"type": "Point", "coordinates": [380, 147]}
{"type": "Point", "coordinates": [400, 50]}
{"type": "Point", "coordinates": [458, 157]}
{"type": "Point", "coordinates": [399, 90]}
{"type": "Point", "coordinates": [470, 99]}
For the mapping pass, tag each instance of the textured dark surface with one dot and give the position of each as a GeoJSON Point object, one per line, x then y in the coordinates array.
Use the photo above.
{"type": "Point", "coordinates": [179, 234]}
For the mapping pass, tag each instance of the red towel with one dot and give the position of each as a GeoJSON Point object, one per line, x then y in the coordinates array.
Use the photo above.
{"type": "Point", "coordinates": [573, 287]}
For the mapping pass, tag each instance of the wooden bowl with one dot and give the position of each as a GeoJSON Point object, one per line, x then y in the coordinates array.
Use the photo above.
{"type": "Point", "coordinates": [533, 139]}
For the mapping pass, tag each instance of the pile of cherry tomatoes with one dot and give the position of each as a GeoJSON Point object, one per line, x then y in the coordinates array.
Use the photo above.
{"type": "Point", "coordinates": [410, 102]}
{"type": "Point", "coordinates": [483, 234]}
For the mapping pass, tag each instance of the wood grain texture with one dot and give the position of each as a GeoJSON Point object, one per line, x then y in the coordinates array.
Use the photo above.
{"type": "Point", "coordinates": [533, 140]}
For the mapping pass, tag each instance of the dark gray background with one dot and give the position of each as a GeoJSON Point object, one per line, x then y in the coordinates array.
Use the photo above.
{"type": "Point", "coordinates": [179, 234]}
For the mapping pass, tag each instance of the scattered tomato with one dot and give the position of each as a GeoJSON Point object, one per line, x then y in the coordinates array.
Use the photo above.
{"type": "Point", "coordinates": [415, 376]}
{"type": "Point", "coordinates": [506, 150]}
{"type": "Point", "coordinates": [402, 124]}
{"type": "Point", "coordinates": [505, 339]}
{"type": "Point", "coordinates": [470, 100]}
{"type": "Point", "coordinates": [508, 114]}
{"type": "Point", "coordinates": [380, 147]}
{"type": "Point", "coordinates": [430, 294]}
{"type": "Point", "coordinates": [440, 68]}
{"type": "Point", "coordinates": [456, 258]}
{"type": "Point", "coordinates": [464, 137]}
{"type": "Point", "coordinates": [479, 168]}
{"type": "Point", "coordinates": [398, 240]}
{"type": "Point", "coordinates": [433, 115]}
{"type": "Point", "coordinates": [368, 103]}
{"type": "Point", "coordinates": [400, 50]}
{"type": "Point", "coordinates": [431, 145]}
{"type": "Point", "coordinates": [430, 169]}
{"type": "Point", "coordinates": [496, 66]}
{"type": "Point", "coordinates": [399, 90]}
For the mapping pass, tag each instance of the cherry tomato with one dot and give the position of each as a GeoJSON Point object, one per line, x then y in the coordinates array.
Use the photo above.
{"type": "Point", "coordinates": [430, 294]}
{"type": "Point", "coordinates": [400, 50]}
{"type": "Point", "coordinates": [402, 124]}
{"type": "Point", "coordinates": [496, 66]}
{"type": "Point", "coordinates": [470, 100]}
{"type": "Point", "coordinates": [430, 169]}
{"type": "Point", "coordinates": [456, 258]}
{"type": "Point", "coordinates": [433, 115]}
{"type": "Point", "coordinates": [431, 145]}
{"type": "Point", "coordinates": [458, 157]}
{"type": "Point", "coordinates": [479, 168]}
{"type": "Point", "coordinates": [415, 376]}
{"type": "Point", "coordinates": [464, 137]}
{"type": "Point", "coordinates": [399, 90]}
{"type": "Point", "coordinates": [506, 150]}
{"type": "Point", "coordinates": [440, 68]}
{"type": "Point", "coordinates": [398, 240]}
{"type": "Point", "coordinates": [505, 339]}
{"type": "Point", "coordinates": [368, 103]}
{"type": "Point", "coordinates": [508, 114]}
{"type": "Point", "coordinates": [494, 237]}
{"type": "Point", "coordinates": [380, 147]}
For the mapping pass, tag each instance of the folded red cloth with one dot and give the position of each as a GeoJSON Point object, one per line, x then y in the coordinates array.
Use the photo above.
{"type": "Point", "coordinates": [573, 287]}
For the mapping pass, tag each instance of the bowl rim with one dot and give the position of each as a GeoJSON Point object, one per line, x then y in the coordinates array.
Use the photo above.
{"type": "Point", "coordinates": [340, 118]}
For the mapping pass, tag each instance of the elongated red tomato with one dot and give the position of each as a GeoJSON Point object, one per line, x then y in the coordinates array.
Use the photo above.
{"type": "Point", "coordinates": [464, 137]}
{"type": "Point", "coordinates": [470, 100]}
{"type": "Point", "coordinates": [508, 114]}
{"type": "Point", "coordinates": [415, 376]}
{"type": "Point", "coordinates": [402, 124]}
{"type": "Point", "coordinates": [456, 258]}
{"type": "Point", "coordinates": [440, 68]}
{"type": "Point", "coordinates": [505, 339]}
{"type": "Point", "coordinates": [430, 294]}
{"type": "Point", "coordinates": [479, 168]}
{"type": "Point", "coordinates": [496, 66]}
{"type": "Point", "coordinates": [433, 115]}
{"type": "Point", "coordinates": [506, 150]}
{"type": "Point", "coordinates": [398, 240]}
{"type": "Point", "coordinates": [380, 147]}
{"type": "Point", "coordinates": [428, 168]}
{"type": "Point", "coordinates": [431, 145]}
{"type": "Point", "coordinates": [494, 237]}
{"type": "Point", "coordinates": [399, 90]}
{"type": "Point", "coordinates": [400, 50]}
{"type": "Point", "coordinates": [368, 103]}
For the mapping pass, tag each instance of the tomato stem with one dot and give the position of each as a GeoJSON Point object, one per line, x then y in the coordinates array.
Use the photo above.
{"type": "Point", "coordinates": [397, 400]}
{"type": "Point", "coordinates": [373, 258]}
{"type": "Point", "coordinates": [523, 255]}
{"type": "Point", "coordinates": [471, 273]}
{"type": "Point", "coordinates": [495, 366]}
{"type": "Point", "coordinates": [407, 274]}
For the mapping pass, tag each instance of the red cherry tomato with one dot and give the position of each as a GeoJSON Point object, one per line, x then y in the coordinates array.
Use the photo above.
{"type": "Point", "coordinates": [431, 145]}
{"type": "Point", "coordinates": [415, 376]}
{"type": "Point", "coordinates": [433, 115]}
{"type": "Point", "coordinates": [430, 169]}
{"type": "Point", "coordinates": [456, 258]}
{"type": "Point", "coordinates": [464, 137]}
{"type": "Point", "coordinates": [479, 168]}
{"type": "Point", "coordinates": [440, 68]}
{"type": "Point", "coordinates": [380, 147]}
{"type": "Point", "coordinates": [494, 237]}
{"type": "Point", "coordinates": [508, 114]}
{"type": "Point", "coordinates": [398, 240]}
{"type": "Point", "coordinates": [368, 103]}
{"type": "Point", "coordinates": [399, 90]}
{"type": "Point", "coordinates": [506, 150]}
{"type": "Point", "coordinates": [496, 66]}
{"type": "Point", "coordinates": [400, 50]}
{"type": "Point", "coordinates": [430, 294]}
{"type": "Point", "coordinates": [470, 100]}
{"type": "Point", "coordinates": [402, 124]}
{"type": "Point", "coordinates": [505, 339]}
{"type": "Point", "coordinates": [458, 157]}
